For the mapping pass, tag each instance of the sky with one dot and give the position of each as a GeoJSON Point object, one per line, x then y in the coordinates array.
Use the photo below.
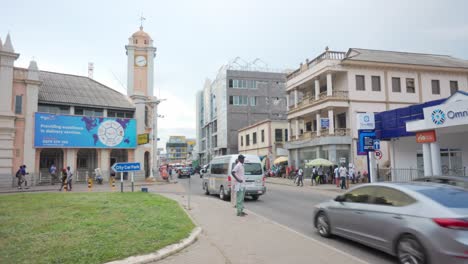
{"type": "Point", "coordinates": [195, 38]}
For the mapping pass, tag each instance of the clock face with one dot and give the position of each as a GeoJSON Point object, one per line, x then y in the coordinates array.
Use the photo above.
{"type": "Point", "coordinates": [140, 61]}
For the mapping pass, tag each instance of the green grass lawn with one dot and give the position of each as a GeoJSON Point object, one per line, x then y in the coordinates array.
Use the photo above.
{"type": "Point", "coordinates": [87, 227]}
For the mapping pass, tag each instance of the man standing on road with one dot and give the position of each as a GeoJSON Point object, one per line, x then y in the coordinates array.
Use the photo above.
{"type": "Point", "coordinates": [238, 174]}
{"type": "Point", "coordinates": [343, 173]}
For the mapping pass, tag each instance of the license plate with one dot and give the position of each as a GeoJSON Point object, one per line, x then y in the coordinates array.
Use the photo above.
{"type": "Point", "coordinates": [260, 192]}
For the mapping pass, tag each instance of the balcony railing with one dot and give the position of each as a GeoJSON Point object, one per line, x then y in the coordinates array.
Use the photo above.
{"type": "Point", "coordinates": [327, 55]}
{"type": "Point", "coordinates": [339, 132]}
{"type": "Point", "coordinates": [309, 101]}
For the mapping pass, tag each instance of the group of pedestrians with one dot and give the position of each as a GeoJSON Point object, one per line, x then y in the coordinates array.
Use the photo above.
{"type": "Point", "coordinates": [339, 175]}
{"type": "Point", "coordinates": [66, 180]}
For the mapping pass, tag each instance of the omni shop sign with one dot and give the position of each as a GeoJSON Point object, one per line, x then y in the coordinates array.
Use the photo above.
{"type": "Point", "coordinates": [447, 115]}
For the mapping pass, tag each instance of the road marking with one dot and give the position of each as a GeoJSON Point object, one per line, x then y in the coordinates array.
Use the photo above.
{"type": "Point", "coordinates": [309, 238]}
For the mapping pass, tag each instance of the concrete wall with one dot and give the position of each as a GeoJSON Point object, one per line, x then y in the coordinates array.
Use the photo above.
{"type": "Point", "coordinates": [272, 87]}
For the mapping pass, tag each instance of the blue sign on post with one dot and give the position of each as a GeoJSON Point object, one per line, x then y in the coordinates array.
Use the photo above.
{"type": "Point", "coordinates": [126, 166]}
{"type": "Point", "coordinates": [365, 141]}
{"type": "Point", "coordinates": [376, 144]}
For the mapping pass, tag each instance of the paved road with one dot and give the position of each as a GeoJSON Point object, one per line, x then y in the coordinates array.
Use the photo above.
{"type": "Point", "coordinates": [292, 207]}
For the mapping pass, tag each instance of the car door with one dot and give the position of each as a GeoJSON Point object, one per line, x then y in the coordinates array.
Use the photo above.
{"type": "Point", "coordinates": [385, 216]}
{"type": "Point", "coordinates": [346, 217]}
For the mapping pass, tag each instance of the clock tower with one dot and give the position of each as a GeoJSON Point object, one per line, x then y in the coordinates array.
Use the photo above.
{"type": "Point", "coordinates": [140, 71]}
{"type": "Point", "coordinates": [141, 53]}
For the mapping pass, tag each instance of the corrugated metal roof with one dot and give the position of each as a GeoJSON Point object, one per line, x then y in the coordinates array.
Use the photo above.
{"type": "Point", "coordinates": [405, 58]}
{"type": "Point", "coordinates": [59, 88]}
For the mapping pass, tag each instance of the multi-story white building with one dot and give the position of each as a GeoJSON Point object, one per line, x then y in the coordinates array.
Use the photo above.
{"type": "Point", "coordinates": [326, 93]}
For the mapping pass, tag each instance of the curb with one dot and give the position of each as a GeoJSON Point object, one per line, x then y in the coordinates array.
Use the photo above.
{"type": "Point", "coordinates": [163, 252]}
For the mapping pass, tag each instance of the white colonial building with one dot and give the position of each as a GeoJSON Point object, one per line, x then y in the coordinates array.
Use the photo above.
{"type": "Point", "coordinates": [326, 93]}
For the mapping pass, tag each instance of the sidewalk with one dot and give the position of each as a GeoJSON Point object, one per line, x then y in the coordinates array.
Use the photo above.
{"type": "Point", "coordinates": [321, 187]}
{"type": "Point", "coordinates": [227, 238]}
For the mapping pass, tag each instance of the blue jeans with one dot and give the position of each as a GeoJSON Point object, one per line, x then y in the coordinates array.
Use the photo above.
{"type": "Point", "coordinates": [343, 182]}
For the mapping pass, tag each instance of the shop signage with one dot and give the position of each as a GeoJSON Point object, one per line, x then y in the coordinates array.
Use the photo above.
{"type": "Point", "coordinates": [365, 141]}
{"type": "Point", "coordinates": [446, 115]}
{"type": "Point", "coordinates": [68, 131]}
{"type": "Point", "coordinates": [143, 138]}
{"type": "Point", "coordinates": [365, 121]}
{"type": "Point", "coordinates": [426, 137]}
{"type": "Point", "coordinates": [324, 122]}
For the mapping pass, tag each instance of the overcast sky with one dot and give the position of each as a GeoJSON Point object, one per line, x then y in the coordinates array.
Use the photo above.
{"type": "Point", "coordinates": [195, 38]}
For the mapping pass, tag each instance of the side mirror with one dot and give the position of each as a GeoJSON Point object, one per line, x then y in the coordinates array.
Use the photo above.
{"type": "Point", "coordinates": [340, 198]}
{"type": "Point", "coordinates": [203, 171]}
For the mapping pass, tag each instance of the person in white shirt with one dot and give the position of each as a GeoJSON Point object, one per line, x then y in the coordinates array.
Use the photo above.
{"type": "Point", "coordinates": [300, 177]}
{"type": "Point", "coordinates": [343, 171]}
{"type": "Point", "coordinates": [337, 176]}
{"type": "Point", "coordinates": [239, 187]}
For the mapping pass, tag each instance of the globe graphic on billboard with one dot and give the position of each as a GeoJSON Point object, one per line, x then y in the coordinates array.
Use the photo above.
{"type": "Point", "coordinates": [111, 133]}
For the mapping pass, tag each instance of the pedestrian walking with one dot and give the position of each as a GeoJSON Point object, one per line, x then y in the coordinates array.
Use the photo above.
{"type": "Point", "coordinates": [351, 175]}
{"type": "Point", "coordinates": [320, 174]}
{"type": "Point", "coordinates": [64, 179]}
{"type": "Point", "coordinates": [238, 174]}
{"type": "Point", "coordinates": [314, 176]}
{"type": "Point", "coordinates": [53, 173]}
{"type": "Point", "coordinates": [337, 176]}
{"type": "Point", "coordinates": [300, 177]}
{"type": "Point", "coordinates": [69, 179]}
{"type": "Point", "coordinates": [343, 172]}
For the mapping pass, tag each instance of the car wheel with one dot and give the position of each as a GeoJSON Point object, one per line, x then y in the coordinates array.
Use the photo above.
{"type": "Point", "coordinates": [323, 225]}
{"type": "Point", "coordinates": [255, 197]}
{"type": "Point", "coordinates": [207, 192]}
{"type": "Point", "coordinates": [222, 196]}
{"type": "Point", "coordinates": [410, 251]}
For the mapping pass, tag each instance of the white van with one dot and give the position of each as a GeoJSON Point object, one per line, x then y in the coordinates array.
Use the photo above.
{"type": "Point", "coordinates": [217, 178]}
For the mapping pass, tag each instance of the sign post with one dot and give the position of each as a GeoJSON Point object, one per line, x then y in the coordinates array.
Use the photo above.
{"type": "Point", "coordinates": [126, 167]}
{"type": "Point", "coordinates": [133, 174]}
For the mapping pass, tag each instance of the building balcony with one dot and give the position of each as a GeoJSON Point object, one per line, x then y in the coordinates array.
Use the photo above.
{"type": "Point", "coordinates": [311, 138]}
{"type": "Point", "coordinates": [309, 101]}
{"type": "Point", "coordinates": [327, 55]}
{"type": "Point", "coordinates": [339, 132]}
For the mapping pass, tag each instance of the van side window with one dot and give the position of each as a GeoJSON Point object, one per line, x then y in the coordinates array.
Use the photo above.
{"type": "Point", "coordinates": [221, 168]}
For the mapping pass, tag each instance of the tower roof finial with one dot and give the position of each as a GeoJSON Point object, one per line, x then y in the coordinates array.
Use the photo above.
{"type": "Point", "coordinates": [141, 21]}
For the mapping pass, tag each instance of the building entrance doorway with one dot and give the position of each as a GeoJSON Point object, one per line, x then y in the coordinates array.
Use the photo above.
{"type": "Point", "coordinates": [86, 162]}
{"type": "Point", "coordinates": [47, 158]}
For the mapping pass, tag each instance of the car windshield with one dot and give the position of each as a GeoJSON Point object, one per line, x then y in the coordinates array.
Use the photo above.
{"type": "Point", "coordinates": [449, 197]}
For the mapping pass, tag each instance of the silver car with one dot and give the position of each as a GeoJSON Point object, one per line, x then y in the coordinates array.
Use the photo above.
{"type": "Point", "coordinates": [418, 222]}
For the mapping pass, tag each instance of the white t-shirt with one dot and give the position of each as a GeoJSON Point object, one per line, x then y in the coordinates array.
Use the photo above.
{"type": "Point", "coordinates": [300, 172]}
{"type": "Point", "coordinates": [336, 171]}
{"type": "Point", "coordinates": [343, 172]}
{"type": "Point", "coordinates": [239, 170]}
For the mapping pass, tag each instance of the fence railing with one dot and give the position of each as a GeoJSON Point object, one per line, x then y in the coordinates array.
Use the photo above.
{"type": "Point", "coordinates": [410, 174]}
{"type": "Point", "coordinates": [400, 175]}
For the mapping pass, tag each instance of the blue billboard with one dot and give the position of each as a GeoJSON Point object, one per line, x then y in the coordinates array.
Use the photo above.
{"type": "Point", "coordinates": [83, 131]}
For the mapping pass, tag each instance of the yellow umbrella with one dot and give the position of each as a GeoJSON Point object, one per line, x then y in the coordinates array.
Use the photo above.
{"type": "Point", "coordinates": [280, 160]}
{"type": "Point", "coordinates": [319, 162]}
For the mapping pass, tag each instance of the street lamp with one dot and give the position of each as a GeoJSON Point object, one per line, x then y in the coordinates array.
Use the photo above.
{"type": "Point", "coordinates": [154, 172]}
